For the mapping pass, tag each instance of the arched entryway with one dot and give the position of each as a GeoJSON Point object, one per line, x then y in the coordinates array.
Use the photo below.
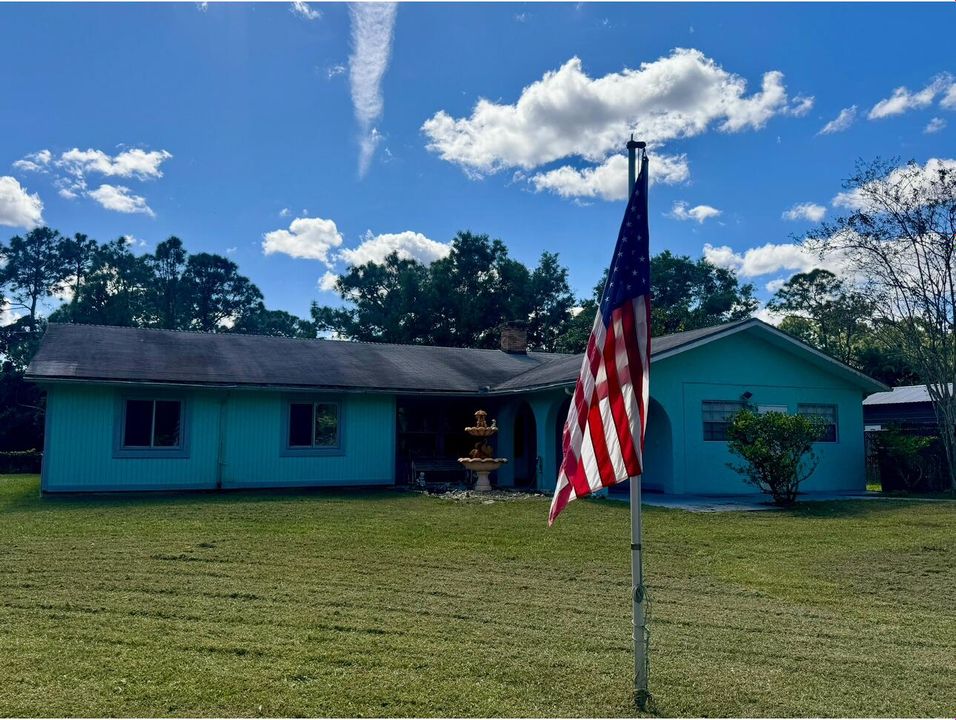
{"type": "Point", "coordinates": [525, 448]}
{"type": "Point", "coordinates": [658, 450]}
{"type": "Point", "coordinates": [658, 453]}
{"type": "Point", "coordinates": [562, 416]}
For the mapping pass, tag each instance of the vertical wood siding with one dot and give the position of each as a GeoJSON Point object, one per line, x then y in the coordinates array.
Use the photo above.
{"type": "Point", "coordinates": [80, 444]}
{"type": "Point", "coordinates": [254, 442]}
{"type": "Point", "coordinates": [79, 448]}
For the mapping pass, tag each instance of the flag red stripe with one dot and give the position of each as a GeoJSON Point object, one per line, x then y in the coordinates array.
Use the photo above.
{"type": "Point", "coordinates": [599, 443]}
{"type": "Point", "coordinates": [622, 424]}
{"type": "Point", "coordinates": [561, 500]}
{"type": "Point", "coordinates": [635, 363]}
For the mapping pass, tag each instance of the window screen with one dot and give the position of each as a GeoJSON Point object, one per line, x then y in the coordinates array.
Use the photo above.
{"type": "Point", "coordinates": [300, 425]}
{"type": "Point", "coordinates": [717, 414]}
{"type": "Point", "coordinates": [828, 414]}
{"type": "Point", "coordinates": [313, 425]}
{"type": "Point", "coordinates": [152, 424]}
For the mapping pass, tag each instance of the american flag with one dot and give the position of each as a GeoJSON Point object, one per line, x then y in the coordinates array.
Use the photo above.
{"type": "Point", "coordinates": [603, 438]}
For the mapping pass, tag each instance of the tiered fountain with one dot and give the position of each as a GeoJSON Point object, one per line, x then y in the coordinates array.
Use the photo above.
{"type": "Point", "coordinates": [480, 459]}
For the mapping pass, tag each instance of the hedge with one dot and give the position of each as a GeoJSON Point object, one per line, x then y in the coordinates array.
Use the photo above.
{"type": "Point", "coordinates": [20, 461]}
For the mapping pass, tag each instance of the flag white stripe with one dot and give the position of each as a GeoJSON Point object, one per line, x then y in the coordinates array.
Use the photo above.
{"type": "Point", "coordinates": [631, 401]}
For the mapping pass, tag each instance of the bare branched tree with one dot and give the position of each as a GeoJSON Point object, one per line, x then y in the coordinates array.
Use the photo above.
{"type": "Point", "coordinates": [899, 239]}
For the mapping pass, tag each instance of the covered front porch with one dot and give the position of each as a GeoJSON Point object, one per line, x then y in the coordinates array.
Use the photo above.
{"type": "Point", "coordinates": [430, 437]}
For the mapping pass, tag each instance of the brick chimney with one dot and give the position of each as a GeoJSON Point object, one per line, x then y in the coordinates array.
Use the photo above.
{"type": "Point", "coordinates": [514, 337]}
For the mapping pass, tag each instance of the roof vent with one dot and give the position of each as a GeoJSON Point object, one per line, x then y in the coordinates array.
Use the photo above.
{"type": "Point", "coordinates": [514, 337]}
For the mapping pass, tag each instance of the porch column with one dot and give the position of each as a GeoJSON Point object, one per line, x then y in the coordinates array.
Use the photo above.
{"type": "Point", "coordinates": [545, 408]}
{"type": "Point", "coordinates": [505, 444]}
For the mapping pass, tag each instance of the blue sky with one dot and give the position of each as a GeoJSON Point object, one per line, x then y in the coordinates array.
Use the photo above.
{"type": "Point", "coordinates": [241, 127]}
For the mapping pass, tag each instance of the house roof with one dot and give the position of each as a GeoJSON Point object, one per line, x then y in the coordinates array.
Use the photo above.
{"type": "Point", "coordinates": [98, 353]}
{"type": "Point", "coordinates": [900, 395]}
{"type": "Point", "coordinates": [138, 355]}
{"type": "Point", "coordinates": [565, 370]}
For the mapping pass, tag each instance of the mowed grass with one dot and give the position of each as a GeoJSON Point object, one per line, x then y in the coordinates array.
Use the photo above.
{"type": "Point", "coordinates": [371, 604]}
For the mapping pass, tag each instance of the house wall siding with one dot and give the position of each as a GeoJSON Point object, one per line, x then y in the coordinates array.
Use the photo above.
{"type": "Point", "coordinates": [254, 443]}
{"type": "Point", "coordinates": [724, 370]}
{"type": "Point", "coordinates": [81, 443]}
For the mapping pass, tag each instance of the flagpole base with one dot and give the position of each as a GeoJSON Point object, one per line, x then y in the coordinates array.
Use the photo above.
{"type": "Point", "coordinates": [642, 698]}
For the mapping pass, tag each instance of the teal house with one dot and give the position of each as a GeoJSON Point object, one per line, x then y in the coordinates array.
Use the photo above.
{"type": "Point", "coordinates": [137, 409]}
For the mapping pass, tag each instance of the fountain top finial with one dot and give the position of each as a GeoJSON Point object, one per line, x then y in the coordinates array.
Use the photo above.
{"type": "Point", "coordinates": [481, 427]}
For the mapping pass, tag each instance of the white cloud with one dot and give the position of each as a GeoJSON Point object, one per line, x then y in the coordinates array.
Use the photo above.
{"type": "Point", "coordinates": [608, 180]}
{"type": "Point", "coordinates": [769, 316]}
{"type": "Point", "coordinates": [680, 211]}
{"type": "Point", "coordinates": [409, 245]}
{"type": "Point", "coordinates": [949, 99]}
{"type": "Point", "coordinates": [805, 211]}
{"type": "Point", "coordinates": [140, 164]}
{"type": "Point", "coordinates": [18, 208]}
{"type": "Point", "coordinates": [310, 238]}
{"type": "Point", "coordinates": [372, 28]}
{"type": "Point", "coordinates": [304, 10]}
{"type": "Point", "coordinates": [841, 122]}
{"type": "Point", "coordinates": [34, 162]}
{"type": "Point", "coordinates": [121, 199]}
{"type": "Point", "coordinates": [763, 260]}
{"type": "Point", "coordinates": [134, 241]}
{"type": "Point", "coordinates": [285, 212]}
{"type": "Point", "coordinates": [327, 281]}
{"type": "Point", "coordinates": [775, 284]}
{"type": "Point", "coordinates": [71, 168]}
{"type": "Point", "coordinates": [800, 106]}
{"type": "Point", "coordinates": [569, 114]}
{"type": "Point", "coordinates": [903, 100]}
{"type": "Point", "coordinates": [231, 250]}
{"type": "Point", "coordinates": [934, 126]}
{"type": "Point", "coordinates": [856, 199]}
{"type": "Point", "coordinates": [8, 314]}
{"type": "Point", "coordinates": [335, 70]}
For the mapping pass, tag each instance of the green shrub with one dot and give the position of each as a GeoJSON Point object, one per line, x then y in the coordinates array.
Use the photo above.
{"type": "Point", "coordinates": [20, 461]}
{"type": "Point", "coordinates": [777, 448]}
{"type": "Point", "coordinates": [908, 462]}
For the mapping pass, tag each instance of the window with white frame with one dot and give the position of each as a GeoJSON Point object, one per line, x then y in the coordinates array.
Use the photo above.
{"type": "Point", "coordinates": [827, 413]}
{"type": "Point", "coordinates": [717, 415]}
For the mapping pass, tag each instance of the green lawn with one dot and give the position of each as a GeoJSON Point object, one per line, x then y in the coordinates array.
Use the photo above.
{"type": "Point", "coordinates": [398, 604]}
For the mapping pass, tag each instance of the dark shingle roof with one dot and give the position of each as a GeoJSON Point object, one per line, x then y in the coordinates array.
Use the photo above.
{"type": "Point", "coordinates": [136, 355]}
{"type": "Point", "coordinates": [97, 352]}
{"type": "Point", "coordinates": [565, 370]}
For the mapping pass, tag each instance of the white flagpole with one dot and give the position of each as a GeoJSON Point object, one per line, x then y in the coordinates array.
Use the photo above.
{"type": "Point", "coordinates": [638, 594]}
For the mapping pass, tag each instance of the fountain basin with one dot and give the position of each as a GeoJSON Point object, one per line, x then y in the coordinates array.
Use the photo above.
{"type": "Point", "coordinates": [482, 467]}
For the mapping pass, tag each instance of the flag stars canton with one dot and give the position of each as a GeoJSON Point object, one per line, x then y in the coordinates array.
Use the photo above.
{"type": "Point", "coordinates": [629, 274]}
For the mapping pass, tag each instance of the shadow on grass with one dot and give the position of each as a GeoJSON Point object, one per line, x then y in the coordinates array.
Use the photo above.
{"type": "Point", "coordinates": [844, 508]}
{"type": "Point", "coordinates": [18, 492]}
